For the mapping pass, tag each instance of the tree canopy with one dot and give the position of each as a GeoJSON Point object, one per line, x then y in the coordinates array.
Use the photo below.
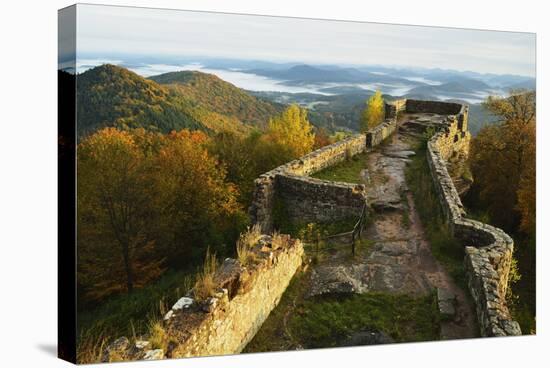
{"type": "Point", "coordinates": [373, 113]}
{"type": "Point", "coordinates": [503, 161]}
{"type": "Point", "coordinates": [292, 130]}
{"type": "Point", "coordinates": [147, 201]}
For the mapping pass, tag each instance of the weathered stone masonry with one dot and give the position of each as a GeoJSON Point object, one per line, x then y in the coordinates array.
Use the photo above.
{"type": "Point", "coordinates": [312, 200]}
{"type": "Point", "coordinates": [289, 183]}
{"type": "Point", "coordinates": [226, 322]}
{"type": "Point", "coordinates": [237, 313]}
{"type": "Point", "coordinates": [488, 249]}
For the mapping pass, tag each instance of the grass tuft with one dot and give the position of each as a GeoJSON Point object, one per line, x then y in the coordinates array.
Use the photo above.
{"type": "Point", "coordinates": [158, 338]}
{"type": "Point", "coordinates": [247, 240]}
{"type": "Point", "coordinates": [278, 240]}
{"type": "Point", "coordinates": [205, 285]}
{"type": "Point", "coordinates": [90, 347]}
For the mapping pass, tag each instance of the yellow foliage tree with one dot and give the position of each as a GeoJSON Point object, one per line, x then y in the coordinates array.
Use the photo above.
{"type": "Point", "coordinates": [373, 113]}
{"type": "Point", "coordinates": [292, 130]}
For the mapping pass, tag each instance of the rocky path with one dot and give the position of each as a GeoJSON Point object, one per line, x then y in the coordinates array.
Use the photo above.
{"type": "Point", "coordinates": [399, 258]}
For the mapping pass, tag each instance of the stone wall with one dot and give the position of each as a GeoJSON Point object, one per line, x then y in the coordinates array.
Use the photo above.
{"type": "Point", "coordinates": [488, 249]}
{"type": "Point", "coordinates": [378, 134]}
{"type": "Point", "coordinates": [393, 108]}
{"type": "Point", "coordinates": [303, 196]}
{"type": "Point", "coordinates": [225, 323]}
{"type": "Point", "coordinates": [312, 200]}
{"type": "Point", "coordinates": [435, 107]}
{"type": "Point", "coordinates": [266, 186]}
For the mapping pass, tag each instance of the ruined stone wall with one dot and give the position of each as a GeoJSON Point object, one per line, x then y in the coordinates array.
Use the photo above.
{"type": "Point", "coordinates": [312, 200]}
{"type": "Point", "coordinates": [393, 108]}
{"type": "Point", "coordinates": [379, 133]}
{"type": "Point", "coordinates": [488, 249]}
{"type": "Point", "coordinates": [225, 323]}
{"type": "Point", "coordinates": [376, 135]}
{"type": "Point", "coordinates": [435, 107]}
{"type": "Point", "coordinates": [303, 197]}
{"type": "Point", "coordinates": [266, 186]}
{"type": "Point", "coordinates": [241, 308]}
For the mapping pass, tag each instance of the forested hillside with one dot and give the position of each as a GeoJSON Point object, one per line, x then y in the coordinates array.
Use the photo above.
{"type": "Point", "coordinates": [212, 93]}
{"type": "Point", "coordinates": [111, 96]}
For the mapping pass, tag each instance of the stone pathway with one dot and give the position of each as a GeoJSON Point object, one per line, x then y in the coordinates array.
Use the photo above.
{"type": "Point", "coordinates": [399, 258]}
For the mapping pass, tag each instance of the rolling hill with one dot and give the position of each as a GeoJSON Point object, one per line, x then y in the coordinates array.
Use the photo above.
{"type": "Point", "coordinates": [110, 95]}
{"type": "Point", "coordinates": [214, 94]}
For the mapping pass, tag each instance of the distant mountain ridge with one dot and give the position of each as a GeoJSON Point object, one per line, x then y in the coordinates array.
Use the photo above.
{"type": "Point", "coordinates": [304, 74]}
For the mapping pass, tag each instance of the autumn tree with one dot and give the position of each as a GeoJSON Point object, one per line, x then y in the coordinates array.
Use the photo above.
{"type": "Point", "coordinates": [236, 153]}
{"type": "Point", "coordinates": [116, 249]}
{"type": "Point", "coordinates": [198, 205]}
{"type": "Point", "coordinates": [322, 138]}
{"type": "Point", "coordinates": [292, 131]}
{"type": "Point", "coordinates": [502, 159]}
{"type": "Point", "coordinates": [373, 113]}
{"type": "Point", "coordinates": [148, 201]}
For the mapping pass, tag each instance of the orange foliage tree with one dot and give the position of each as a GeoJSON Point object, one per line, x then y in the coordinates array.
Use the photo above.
{"type": "Point", "coordinates": [502, 159]}
{"type": "Point", "coordinates": [145, 199]}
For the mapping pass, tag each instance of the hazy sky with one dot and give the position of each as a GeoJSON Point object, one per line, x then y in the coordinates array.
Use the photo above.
{"type": "Point", "coordinates": [107, 30]}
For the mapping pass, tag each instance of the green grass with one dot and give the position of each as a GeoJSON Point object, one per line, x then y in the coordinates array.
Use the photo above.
{"type": "Point", "coordinates": [447, 250]}
{"type": "Point", "coordinates": [329, 321]}
{"type": "Point", "coordinates": [348, 171]}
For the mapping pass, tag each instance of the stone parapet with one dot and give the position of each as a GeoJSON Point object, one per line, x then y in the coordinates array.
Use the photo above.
{"type": "Point", "coordinates": [261, 209]}
{"type": "Point", "coordinates": [308, 199]}
{"type": "Point", "coordinates": [488, 249]}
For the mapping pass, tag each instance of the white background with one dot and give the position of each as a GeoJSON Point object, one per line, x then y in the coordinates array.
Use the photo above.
{"type": "Point", "coordinates": [28, 181]}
